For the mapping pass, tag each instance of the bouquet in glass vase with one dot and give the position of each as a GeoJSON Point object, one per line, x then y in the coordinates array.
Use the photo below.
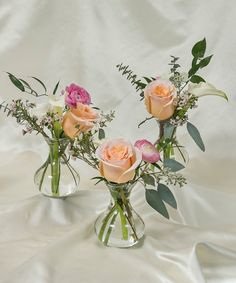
{"type": "Point", "coordinates": [61, 119]}
{"type": "Point", "coordinates": [122, 165]}
{"type": "Point", "coordinates": [170, 98]}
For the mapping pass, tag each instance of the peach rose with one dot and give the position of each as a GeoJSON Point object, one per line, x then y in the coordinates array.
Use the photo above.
{"type": "Point", "coordinates": [118, 160]}
{"type": "Point", "coordinates": [79, 119]}
{"type": "Point", "coordinates": [159, 98]}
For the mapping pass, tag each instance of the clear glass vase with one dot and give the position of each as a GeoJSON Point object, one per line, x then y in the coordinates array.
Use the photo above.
{"type": "Point", "coordinates": [56, 177]}
{"type": "Point", "coordinates": [168, 144]}
{"type": "Point", "coordinates": [119, 226]}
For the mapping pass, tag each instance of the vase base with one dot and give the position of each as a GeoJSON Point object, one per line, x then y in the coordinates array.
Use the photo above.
{"type": "Point", "coordinates": [64, 196]}
{"type": "Point", "coordinates": [123, 244]}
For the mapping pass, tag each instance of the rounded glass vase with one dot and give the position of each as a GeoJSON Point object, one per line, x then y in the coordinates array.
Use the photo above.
{"type": "Point", "coordinates": [57, 178]}
{"type": "Point", "coordinates": [119, 226]}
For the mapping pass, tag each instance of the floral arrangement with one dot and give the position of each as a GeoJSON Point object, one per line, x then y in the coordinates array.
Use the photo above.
{"type": "Point", "coordinates": [121, 166]}
{"type": "Point", "coordinates": [62, 120]}
{"type": "Point", "coordinates": [70, 121]}
{"type": "Point", "coordinates": [169, 98]}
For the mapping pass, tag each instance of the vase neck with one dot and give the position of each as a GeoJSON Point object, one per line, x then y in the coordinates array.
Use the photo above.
{"type": "Point", "coordinates": [163, 130]}
{"type": "Point", "coordinates": [120, 191]}
{"type": "Point", "coordinates": [57, 145]}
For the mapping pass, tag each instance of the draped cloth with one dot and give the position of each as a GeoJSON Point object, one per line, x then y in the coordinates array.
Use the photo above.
{"type": "Point", "coordinates": [45, 240]}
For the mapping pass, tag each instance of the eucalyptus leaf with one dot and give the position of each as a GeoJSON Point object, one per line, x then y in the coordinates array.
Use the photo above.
{"type": "Point", "coordinates": [154, 200]}
{"type": "Point", "coordinates": [166, 195]}
{"type": "Point", "coordinates": [173, 165]}
{"type": "Point", "coordinates": [196, 79]}
{"type": "Point", "coordinates": [17, 83]}
{"type": "Point", "coordinates": [199, 49]}
{"type": "Point", "coordinates": [101, 134]}
{"type": "Point", "coordinates": [149, 180]}
{"type": "Point", "coordinates": [194, 133]}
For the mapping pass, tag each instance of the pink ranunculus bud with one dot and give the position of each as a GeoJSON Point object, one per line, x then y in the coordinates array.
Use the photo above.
{"type": "Point", "coordinates": [76, 94]}
{"type": "Point", "coordinates": [149, 152]}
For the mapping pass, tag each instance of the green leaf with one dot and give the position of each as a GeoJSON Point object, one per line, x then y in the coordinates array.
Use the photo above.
{"type": "Point", "coordinates": [17, 83]}
{"type": "Point", "coordinates": [194, 61]}
{"type": "Point", "coordinates": [42, 84]}
{"type": "Point", "coordinates": [148, 80]}
{"type": "Point", "coordinates": [204, 62]}
{"type": "Point", "coordinates": [149, 180]}
{"type": "Point", "coordinates": [199, 49]}
{"type": "Point", "coordinates": [173, 165]}
{"type": "Point", "coordinates": [193, 70]}
{"type": "Point", "coordinates": [196, 79]}
{"type": "Point", "coordinates": [154, 200]}
{"type": "Point", "coordinates": [194, 133]}
{"type": "Point", "coordinates": [166, 195]}
{"type": "Point", "coordinates": [100, 179]}
{"type": "Point", "coordinates": [168, 130]}
{"type": "Point", "coordinates": [56, 87]}
{"type": "Point", "coordinates": [25, 83]}
{"type": "Point", "coordinates": [156, 165]}
{"type": "Point", "coordinates": [101, 134]}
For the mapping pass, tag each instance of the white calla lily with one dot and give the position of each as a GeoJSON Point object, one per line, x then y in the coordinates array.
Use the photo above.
{"type": "Point", "coordinates": [57, 101]}
{"type": "Point", "coordinates": [40, 110]}
{"type": "Point", "coordinates": [204, 88]}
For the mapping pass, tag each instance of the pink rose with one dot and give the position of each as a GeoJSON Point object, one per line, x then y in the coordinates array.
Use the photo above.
{"type": "Point", "coordinates": [76, 94]}
{"type": "Point", "coordinates": [159, 98]}
{"type": "Point", "coordinates": [149, 152]}
{"type": "Point", "coordinates": [118, 160]}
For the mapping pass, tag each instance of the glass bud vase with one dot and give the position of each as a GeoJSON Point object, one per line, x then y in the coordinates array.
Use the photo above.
{"type": "Point", "coordinates": [170, 147]}
{"type": "Point", "coordinates": [119, 226]}
{"type": "Point", "coordinates": [56, 177]}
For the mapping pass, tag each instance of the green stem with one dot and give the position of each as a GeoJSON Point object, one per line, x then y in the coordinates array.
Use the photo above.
{"type": "Point", "coordinates": [44, 172]}
{"type": "Point", "coordinates": [70, 168]}
{"type": "Point", "coordinates": [110, 228]}
{"type": "Point", "coordinates": [123, 223]}
{"type": "Point", "coordinates": [129, 216]}
{"type": "Point", "coordinates": [181, 153]}
{"type": "Point", "coordinates": [55, 168]}
{"type": "Point", "coordinates": [105, 221]}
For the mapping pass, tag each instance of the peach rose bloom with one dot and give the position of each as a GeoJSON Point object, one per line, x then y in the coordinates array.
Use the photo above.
{"type": "Point", "coordinates": [83, 116]}
{"type": "Point", "coordinates": [159, 98]}
{"type": "Point", "coordinates": [118, 160]}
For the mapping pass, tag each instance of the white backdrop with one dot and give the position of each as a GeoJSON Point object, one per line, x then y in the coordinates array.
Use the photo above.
{"type": "Point", "coordinates": [44, 240]}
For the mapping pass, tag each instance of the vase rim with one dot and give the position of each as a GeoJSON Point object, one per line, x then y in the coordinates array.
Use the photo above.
{"type": "Point", "coordinates": [116, 185]}
{"type": "Point", "coordinates": [49, 139]}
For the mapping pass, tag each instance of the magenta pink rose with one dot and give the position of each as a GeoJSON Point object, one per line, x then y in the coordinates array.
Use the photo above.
{"type": "Point", "coordinates": [76, 94]}
{"type": "Point", "coordinates": [149, 152]}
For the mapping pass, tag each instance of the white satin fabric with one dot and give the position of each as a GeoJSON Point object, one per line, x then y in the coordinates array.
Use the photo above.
{"type": "Point", "coordinates": [45, 240]}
